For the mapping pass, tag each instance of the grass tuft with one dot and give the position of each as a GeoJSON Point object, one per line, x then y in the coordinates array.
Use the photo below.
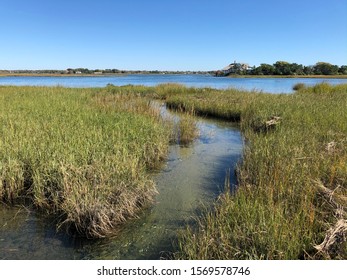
{"type": "Point", "coordinates": [80, 154]}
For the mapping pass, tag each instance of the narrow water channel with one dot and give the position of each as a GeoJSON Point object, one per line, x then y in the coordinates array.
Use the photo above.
{"type": "Point", "coordinates": [190, 180]}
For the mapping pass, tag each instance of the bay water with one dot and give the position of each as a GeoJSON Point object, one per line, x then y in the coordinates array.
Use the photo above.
{"type": "Point", "coordinates": [270, 85]}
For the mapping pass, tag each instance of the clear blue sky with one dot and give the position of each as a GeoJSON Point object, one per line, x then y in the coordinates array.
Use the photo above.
{"type": "Point", "coordinates": [170, 35]}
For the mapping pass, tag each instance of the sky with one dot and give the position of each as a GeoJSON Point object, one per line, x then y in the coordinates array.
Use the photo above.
{"type": "Point", "coordinates": [170, 35]}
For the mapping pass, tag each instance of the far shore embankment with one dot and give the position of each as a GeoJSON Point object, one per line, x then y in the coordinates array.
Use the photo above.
{"type": "Point", "coordinates": [14, 74]}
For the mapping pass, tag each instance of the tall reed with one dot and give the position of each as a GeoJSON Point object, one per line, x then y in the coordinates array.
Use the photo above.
{"type": "Point", "coordinates": [291, 198]}
{"type": "Point", "coordinates": [81, 154]}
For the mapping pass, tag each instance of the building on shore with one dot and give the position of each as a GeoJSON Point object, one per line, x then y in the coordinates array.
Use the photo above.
{"type": "Point", "coordinates": [236, 68]}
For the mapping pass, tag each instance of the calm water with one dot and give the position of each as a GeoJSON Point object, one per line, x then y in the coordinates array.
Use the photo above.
{"type": "Point", "coordinates": [191, 177]}
{"type": "Point", "coordinates": [272, 85]}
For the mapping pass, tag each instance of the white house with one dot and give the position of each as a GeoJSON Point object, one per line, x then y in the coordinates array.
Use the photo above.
{"type": "Point", "coordinates": [235, 68]}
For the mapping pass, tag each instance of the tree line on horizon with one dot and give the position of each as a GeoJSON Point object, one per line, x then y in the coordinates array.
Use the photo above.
{"type": "Point", "coordinates": [280, 68]}
{"type": "Point", "coordinates": [284, 68]}
{"type": "Point", "coordinates": [70, 71]}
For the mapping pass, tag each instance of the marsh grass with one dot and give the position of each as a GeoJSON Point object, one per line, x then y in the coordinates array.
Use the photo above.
{"type": "Point", "coordinates": [278, 212]}
{"type": "Point", "coordinates": [299, 86]}
{"type": "Point", "coordinates": [84, 154]}
{"type": "Point", "coordinates": [206, 102]}
{"type": "Point", "coordinates": [188, 130]}
{"type": "Point", "coordinates": [80, 154]}
{"type": "Point", "coordinates": [185, 129]}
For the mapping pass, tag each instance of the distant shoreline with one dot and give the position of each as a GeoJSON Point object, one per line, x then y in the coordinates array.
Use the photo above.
{"type": "Point", "coordinates": [56, 75]}
{"type": "Point", "coordinates": [7, 74]}
{"type": "Point", "coordinates": [40, 73]}
{"type": "Point", "coordinates": [290, 76]}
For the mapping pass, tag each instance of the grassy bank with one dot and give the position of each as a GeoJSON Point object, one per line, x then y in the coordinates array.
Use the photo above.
{"type": "Point", "coordinates": [80, 154]}
{"type": "Point", "coordinates": [83, 154]}
{"type": "Point", "coordinates": [292, 183]}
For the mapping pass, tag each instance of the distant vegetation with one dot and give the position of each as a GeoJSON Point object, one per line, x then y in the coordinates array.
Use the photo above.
{"type": "Point", "coordinates": [280, 68]}
{"type": "Point", "coordinates": [283, 68]}
{"type": "Point", "coordinates": [86, 71]}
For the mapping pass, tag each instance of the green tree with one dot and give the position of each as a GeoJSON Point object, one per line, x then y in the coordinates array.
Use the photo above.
{"type": "Point", "coordinates": [325, 68]}
{"type": "Point", "coordinates": [264, 69]}
{"type": "Point", "coordinates": [282, 68]}
{"type": "Point", "coordinates": [296, 69]}
{"type": "Point", "coordinates": [308, 70]}
{"type": "Point", "coordinates": [343, 70]}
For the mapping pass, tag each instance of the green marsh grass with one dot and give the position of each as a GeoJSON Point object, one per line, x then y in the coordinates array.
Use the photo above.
{"type": "Point", "coordinates": [299, 86]}
{"type": "Point", "coordinates": [81, 154]}
{"type": "Point", "coordinates": [185, 129]}
{"type": "Point", "coordinates": [280, 209]}
{"type": "Point", "coordinates": [84, 155]}
{"type": "Point", "coordinates": [207, 102]}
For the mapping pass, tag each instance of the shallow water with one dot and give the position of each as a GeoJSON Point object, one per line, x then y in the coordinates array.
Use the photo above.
{"type": "Point", "coordinates": [189, 181]}
{"type": "Point", "coordinates": [271, 85]}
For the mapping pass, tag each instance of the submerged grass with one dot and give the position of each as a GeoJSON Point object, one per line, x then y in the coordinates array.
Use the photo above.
{"type": "Point", "coordinates": [81, 154]}
{"type": "Point", "coordinates": [280, 209]}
